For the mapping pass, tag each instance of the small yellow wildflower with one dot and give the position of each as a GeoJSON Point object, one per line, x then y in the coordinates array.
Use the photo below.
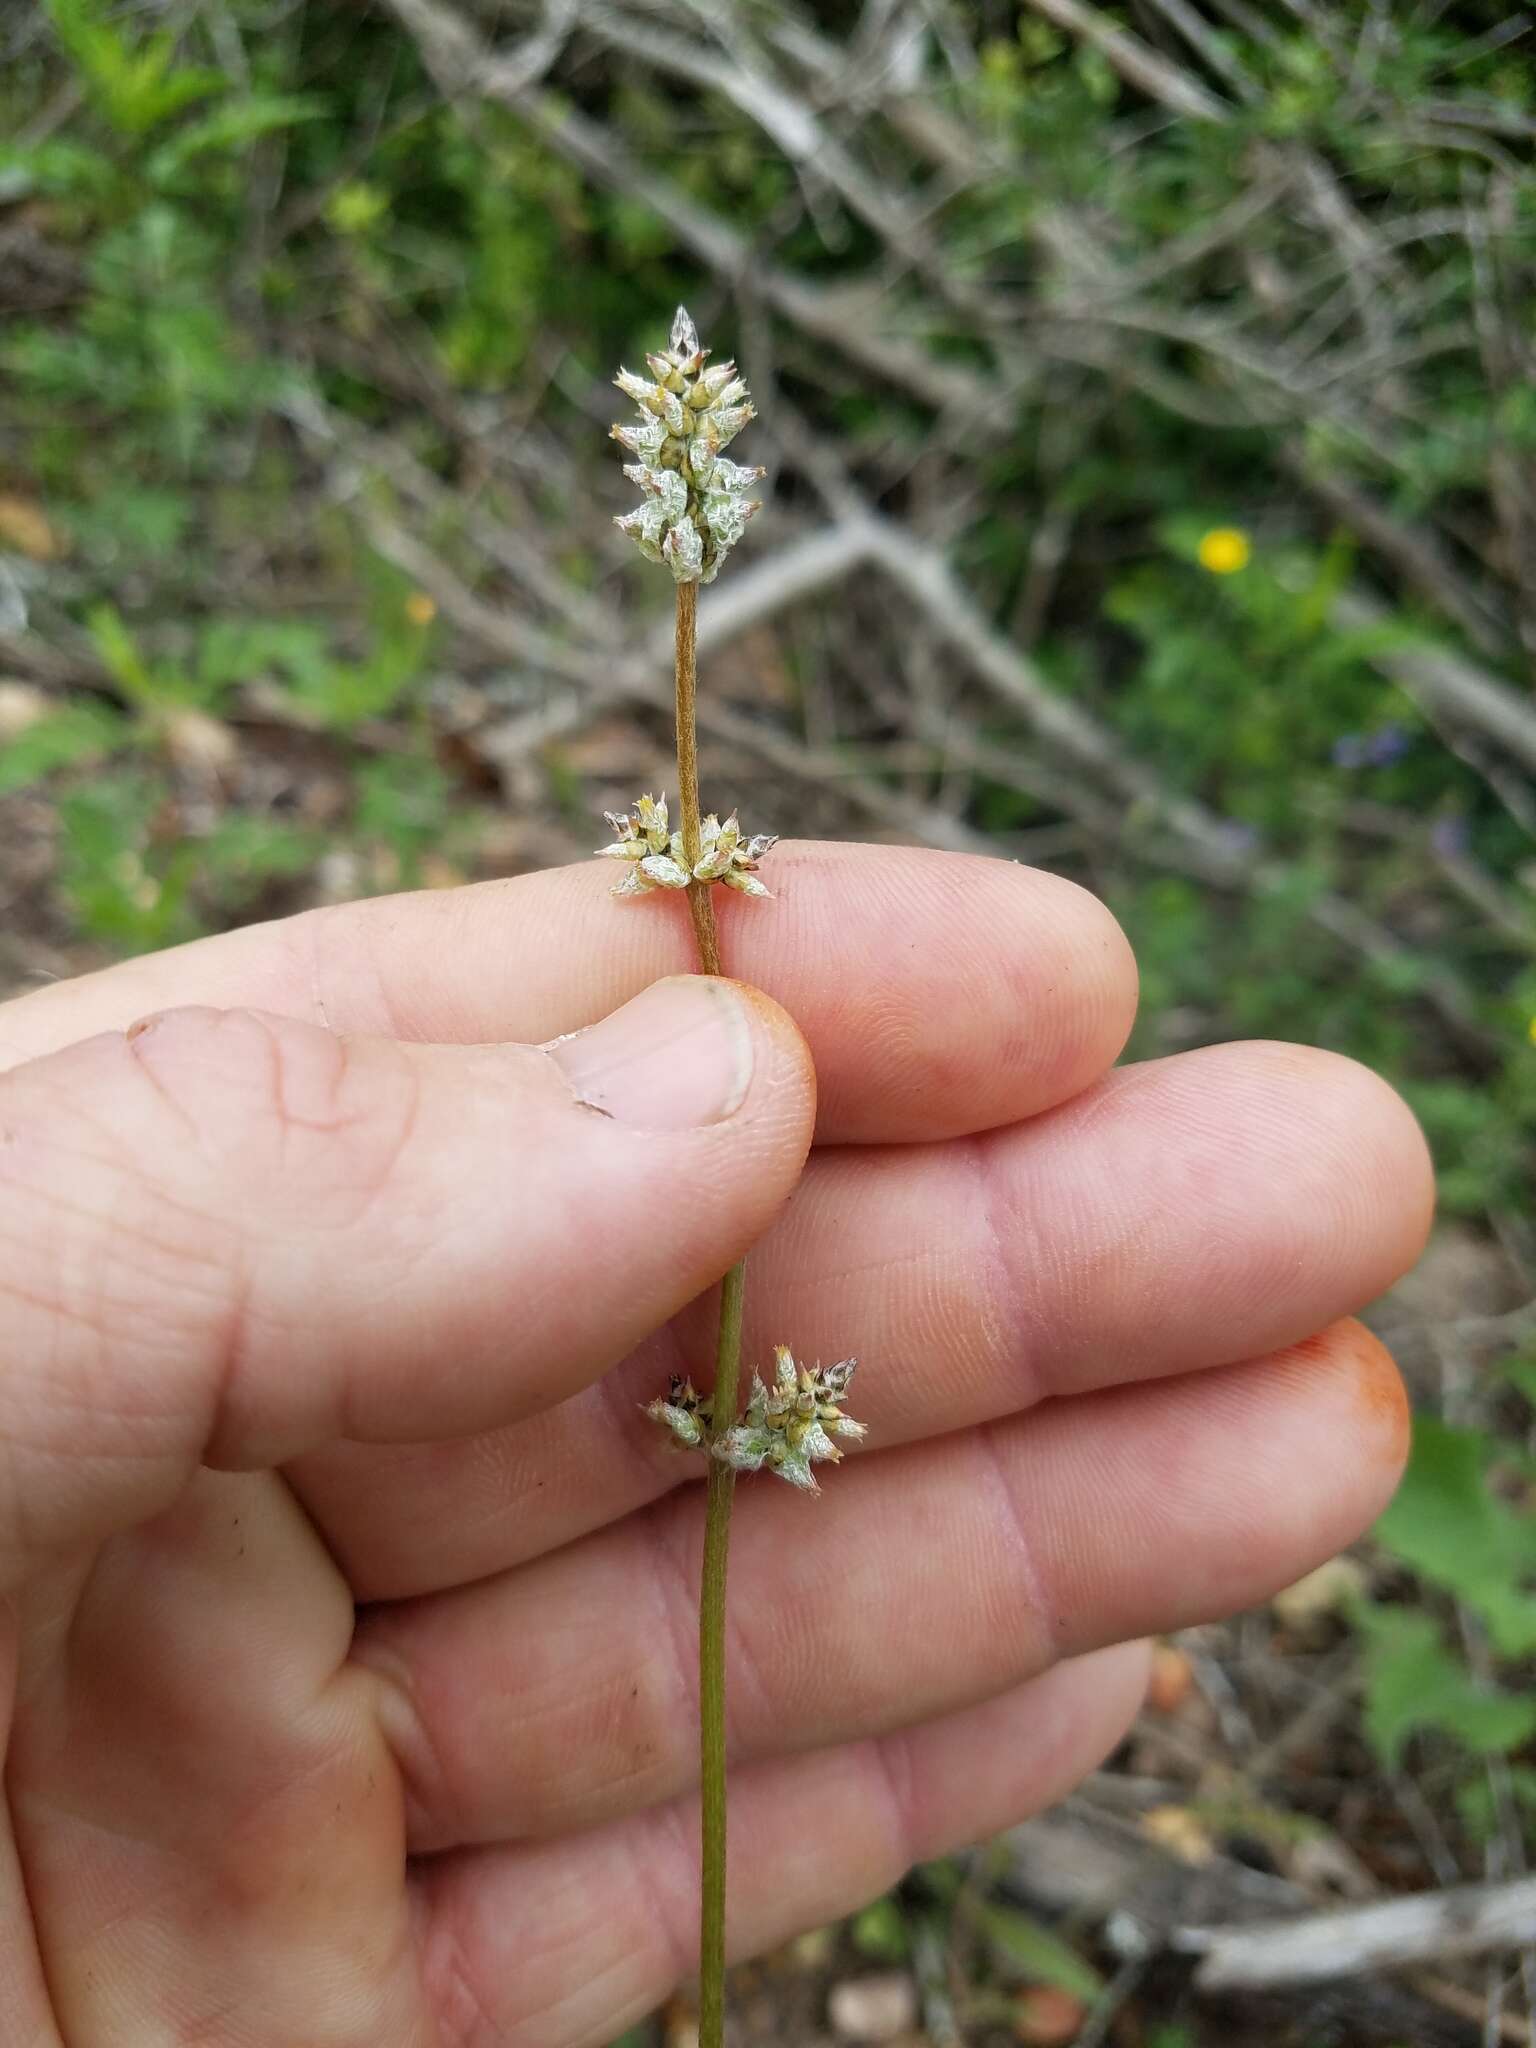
{"type": "Point", "coordinates": [1224, 550]}
{"type": "Point", "coordinates": [420, 609]}
{"type": "Point", "coordinates": [1530, 1031]}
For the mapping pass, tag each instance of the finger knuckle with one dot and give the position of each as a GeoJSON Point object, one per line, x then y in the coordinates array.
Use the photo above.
{"type": "Point", "coordinates": [290, 1106]}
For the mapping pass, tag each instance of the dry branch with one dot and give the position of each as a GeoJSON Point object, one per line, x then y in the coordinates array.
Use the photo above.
{"type": "Point", "coordinates": [1137, 62]}
{"type": "Point", "coordinates": [1470, 1920]}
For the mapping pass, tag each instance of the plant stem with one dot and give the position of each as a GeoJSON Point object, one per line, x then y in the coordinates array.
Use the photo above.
{"type": "Point", "coordinates": [717, 1536]}
{"type": "Point", "coordinates": [699, 905]}
{"type": "Point", "coordinates": [722, 1480]}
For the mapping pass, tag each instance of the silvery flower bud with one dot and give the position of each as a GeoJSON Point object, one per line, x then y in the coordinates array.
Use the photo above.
{"type": "Point", "coordinates": [685, 1412]}
{"type": "Point", "coordinates": [663, 872]}
{"type": "Point", "coordinates": [683, 552]}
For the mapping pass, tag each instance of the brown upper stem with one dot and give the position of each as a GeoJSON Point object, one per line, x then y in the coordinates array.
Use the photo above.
{"type": "Point", "coordinates": [699, 904]}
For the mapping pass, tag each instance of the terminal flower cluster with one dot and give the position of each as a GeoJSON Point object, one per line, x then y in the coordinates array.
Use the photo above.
{"type": "Point", "coordinates": [656, 858]}
{"type": "Point", "coordinates": [697, 504]}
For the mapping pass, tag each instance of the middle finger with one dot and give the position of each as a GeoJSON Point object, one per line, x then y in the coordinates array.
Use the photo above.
{"type": "Point", "coordinates": [1182, 1215]}
{"type": "Point", "coordinates": [923, 1581]}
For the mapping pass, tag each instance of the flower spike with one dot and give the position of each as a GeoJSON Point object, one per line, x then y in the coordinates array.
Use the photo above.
{"type": "Point", "coordinates": [697, 504]}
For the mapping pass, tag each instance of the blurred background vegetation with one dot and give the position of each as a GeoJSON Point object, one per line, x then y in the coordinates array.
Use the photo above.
{"type": "Point", "coordinates": [1147, 394]}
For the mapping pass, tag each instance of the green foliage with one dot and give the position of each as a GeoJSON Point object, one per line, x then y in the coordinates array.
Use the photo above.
{"type": "Point", "coordinates": [1451, 1527]}
{"type": "Point", "coordinates": [137, 86]}
{"type": "Point", "coordinates": [880, 1931]}
{"type": "Point", "coordinates": [74, 737]}
{"type": "Point", "coordinates": [133, 881]}
{"type": "Point", "coordinates": [404, 803]}
{"type": "Point", "coordinates": [1450, 1524]}
{"type": "Point", "coordinates": [1027, 1949]}
{"type": "Point", "coordinates": [1416, 1681]}
{"type": "Point", "coordinates": [339, 695]}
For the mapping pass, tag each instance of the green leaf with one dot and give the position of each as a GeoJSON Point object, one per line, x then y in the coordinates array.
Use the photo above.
{"type": "Point", "coordinates": [880, 1931]}
{"type": "Point", "coordinates": [121, 884]}
{"type": "Point", "coordinates": [135, 88]}
{"type": "Point", "coordinates": [154, 93]}
{"type": "Point", "coordinates": [230, 127]}
{"type": "Point", "coordinates": [1414, 1682]}
{"type": "Point", "coordinates": [243, 851]}
{"type": "Point", "coordinates": [59, 167]}
{"type": "Point", "coordinates": [1449, 1526]}
{"type": "Point", "coordinates": [65, 739]}
{"type": "Point", "coordinates": [120, 655]}
{"type": "Point", "coordinates": [232, 651]}
{"type": "Point", "coordinates": [1037, 1955]}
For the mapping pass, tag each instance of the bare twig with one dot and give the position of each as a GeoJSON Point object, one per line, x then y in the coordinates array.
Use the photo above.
{"type": "Point", "coordinates": [1470, 1920]}
{"type": "Point", "coordinates": [1137, 62]}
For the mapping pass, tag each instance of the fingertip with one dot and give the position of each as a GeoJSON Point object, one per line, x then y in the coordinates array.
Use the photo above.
{"type": "Point", "coordinates": [974, 993]}
{"type": "Point", "coordinates": [1061, 940]}
{"type": "Point", "coordinates": [1376, 1416]}
{"type": "Point", "coordinates": [1374, 1130]}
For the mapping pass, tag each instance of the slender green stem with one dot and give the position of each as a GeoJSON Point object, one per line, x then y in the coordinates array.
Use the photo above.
{"type": "Point", "coordinates": [717, 1536]}
{"type": "Point", "coordinates": [722, 1480]}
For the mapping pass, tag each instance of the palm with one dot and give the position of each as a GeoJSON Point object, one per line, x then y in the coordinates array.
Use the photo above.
{"type": "Point", "coordinates": [398, 1747]}
{"type": "Point", "coordinates": [207, 1810]}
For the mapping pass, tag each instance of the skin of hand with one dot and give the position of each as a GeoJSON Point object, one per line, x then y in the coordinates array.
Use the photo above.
{"type": "Point", "coordinates": [349, 1597]}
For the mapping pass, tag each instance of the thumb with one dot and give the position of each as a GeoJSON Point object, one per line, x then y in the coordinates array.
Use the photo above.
{"type": "Point", "coordinates": [226, 1237]}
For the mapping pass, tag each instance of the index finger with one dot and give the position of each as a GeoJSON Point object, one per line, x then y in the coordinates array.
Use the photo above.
{"type": "Point", "coordinates": [940, 993]}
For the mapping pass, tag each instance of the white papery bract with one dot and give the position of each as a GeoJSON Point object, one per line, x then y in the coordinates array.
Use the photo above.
{"type": "Point", "coordinates": [697, 504]}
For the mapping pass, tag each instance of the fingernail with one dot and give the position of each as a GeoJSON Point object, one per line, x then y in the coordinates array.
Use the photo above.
{"type": "Point", "coordinates": [677, 1056]}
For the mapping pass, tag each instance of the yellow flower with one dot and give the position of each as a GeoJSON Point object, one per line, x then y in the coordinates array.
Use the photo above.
{"type": "Point", "coordinates": [1224, 550]}
{"type": "Point", "coordinates": [1530, 1031]}
{"type": "Point", "coordinates": [420, 609]}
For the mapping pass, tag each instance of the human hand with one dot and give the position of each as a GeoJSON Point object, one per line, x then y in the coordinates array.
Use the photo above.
{"type": "Point", "coordinates": [351, 1594]}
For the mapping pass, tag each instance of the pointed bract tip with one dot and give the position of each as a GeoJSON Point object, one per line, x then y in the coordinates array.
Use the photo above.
{"type": "Point", "coordinates": [685, 336]}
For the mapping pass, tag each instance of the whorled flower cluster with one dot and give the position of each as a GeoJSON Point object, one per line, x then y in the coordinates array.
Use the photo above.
{"type": "Point", "coordinates": [788, 1427]}
{"type": "Point", "coordinates": [696, 503]}
{"type": "Point", "coordinates": [657, 858]}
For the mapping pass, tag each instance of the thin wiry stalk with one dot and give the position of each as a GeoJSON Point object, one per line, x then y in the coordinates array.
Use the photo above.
{"type": "Point", "coordinates": [694, 508]}
{"type": "Point", "coordinates": [722, 1479]}
{"type": "Point", "coordinates": [717, 1533]}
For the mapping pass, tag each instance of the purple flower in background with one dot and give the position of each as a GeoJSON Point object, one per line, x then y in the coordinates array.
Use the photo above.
{"type": "Point", "coordinates": [1378, 749]}
{"type": "Point", "coordinates": [1237, 837]}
